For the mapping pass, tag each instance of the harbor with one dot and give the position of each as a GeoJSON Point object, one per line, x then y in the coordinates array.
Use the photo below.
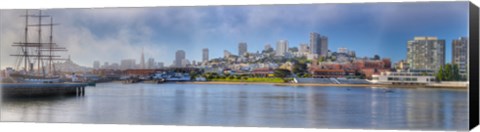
{"type": "Point", "coordinates": [251, 105]}
{"type": "Point", "coordinates": [238, 66]}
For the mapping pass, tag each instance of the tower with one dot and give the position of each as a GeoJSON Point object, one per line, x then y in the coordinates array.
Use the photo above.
{"type": "Point", "coordinates": [142, 60]}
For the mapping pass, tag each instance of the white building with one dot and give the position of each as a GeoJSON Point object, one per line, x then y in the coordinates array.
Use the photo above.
{"type": "Point", "coordinates": [282, 48]}
{"type": "Point", "coordinates": [403, 78]}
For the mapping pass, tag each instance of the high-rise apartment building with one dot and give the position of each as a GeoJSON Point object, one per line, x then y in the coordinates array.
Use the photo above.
{"type": "Point", "coordinates": [318, 44]}
{"type": "Point", "coordinates": [426, 53]}
{"type": "Point", "coordinates": [460, 55]}
{"type": "Point", "coordinates": [282, 47]}
{"type": "Point", "coordinates": [205, 55]}
{"type": "Point", "coordinates": [242, 48]}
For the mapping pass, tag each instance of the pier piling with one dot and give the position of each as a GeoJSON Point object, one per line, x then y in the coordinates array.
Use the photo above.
{"type": "Point", "coordinates": [83, 91]}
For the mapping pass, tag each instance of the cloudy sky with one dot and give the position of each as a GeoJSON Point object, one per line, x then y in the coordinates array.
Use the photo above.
{"type": "Point", "coordinates": [112, 34]}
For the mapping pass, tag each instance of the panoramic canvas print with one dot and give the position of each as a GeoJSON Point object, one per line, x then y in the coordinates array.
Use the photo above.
{"type": "Point", "coordinates": [353, 66]}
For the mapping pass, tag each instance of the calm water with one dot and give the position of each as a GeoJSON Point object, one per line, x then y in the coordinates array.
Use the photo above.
{"type": "Point", "coordinates": [250, 105]}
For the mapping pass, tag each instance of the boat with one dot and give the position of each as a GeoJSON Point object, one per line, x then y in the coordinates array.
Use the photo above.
{"type": "Point", "coordinates": [172, 77]}
{"type": "Point", "coordinates": [44, 80]}
{"type": "Point", "coordinates": [39, 53]}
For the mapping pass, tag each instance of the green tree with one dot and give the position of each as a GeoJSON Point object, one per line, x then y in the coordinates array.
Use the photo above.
{"type": "Point", "coordinates": [449, 72]}
{"type": "Point", "coordinates": [333, 58]}
{"type": "Point", "coordinates": [269, 50]}
{"type": "Point", "coordinates": [448, 75]}
{"type": "Point", "coordinates": [456, 73]}
{"type": "Point", "coordinates": [300, 65]}
{"type": "Point", "coordinates": [321, 59]}
{"type": "Point", "coordinates": [281, 73]}
{"type": "Point", "coordinates": [440, 74]}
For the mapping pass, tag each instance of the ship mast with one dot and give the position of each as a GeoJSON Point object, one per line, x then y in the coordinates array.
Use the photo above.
{"type": "Point", "coordinates": [50, 47]}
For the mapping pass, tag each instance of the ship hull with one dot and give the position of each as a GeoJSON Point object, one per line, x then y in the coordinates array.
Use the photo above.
{"type": "Point", "coordinates": [43, 89]}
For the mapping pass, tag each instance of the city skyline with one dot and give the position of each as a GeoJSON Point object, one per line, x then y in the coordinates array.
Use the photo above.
{"type": "Point", "coordinates": [368, 29]}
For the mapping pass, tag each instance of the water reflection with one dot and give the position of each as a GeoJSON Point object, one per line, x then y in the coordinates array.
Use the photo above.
{"type": "Point", "coordinates": [251, 105]}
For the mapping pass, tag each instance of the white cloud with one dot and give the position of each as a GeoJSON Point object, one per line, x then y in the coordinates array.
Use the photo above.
{"type": "Point", "coordinates": [119, 33]}
{"type": "Point", "coordinates": [75, 34]}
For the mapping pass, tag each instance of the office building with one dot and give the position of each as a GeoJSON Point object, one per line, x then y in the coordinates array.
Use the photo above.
{"type": "Point", "coordinates": [96, 65]}
{"type": "Point", "coordinates": [151, 63]}
{"type": "Point", "coordinates": [179, 58]}
{"type": "Point", "coordinates": [127, 64]}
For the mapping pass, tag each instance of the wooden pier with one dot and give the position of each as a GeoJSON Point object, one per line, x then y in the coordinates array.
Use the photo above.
{"type": "Point", "coordinates": [42, 89]}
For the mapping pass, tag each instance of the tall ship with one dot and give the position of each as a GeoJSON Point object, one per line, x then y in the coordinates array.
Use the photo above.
{"type": "Point", "coordinates": [35, 58]}
{"type": "Point", "coordinates": [34, 72]}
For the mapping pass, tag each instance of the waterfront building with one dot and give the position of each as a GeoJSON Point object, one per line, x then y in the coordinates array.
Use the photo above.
{"type": "Point", "coordinates": [318, 44]}
{"type": "Point", "coordinates": [205, 55]}
{"type": "Point", "coordinates": [460, 55]}
{"type": "Point", "coordinates": [370, 67]}
{"type": "Point", "coordinates": [179, 58]}
{"type": "Point", "coordinates": [282, 47]}
{"type": "Point", "coordinates": [403, 77]}
{"type": "Point", "coordinates": [96, 64]}
{"type": "Point", "coordinates": [263, 72]}
{"type": "Point", "coordinates": [328, 73]}
{"type": "Point", "coordinates": [426, 53]}
{"type": "Point", "coordinates": [242, 48]}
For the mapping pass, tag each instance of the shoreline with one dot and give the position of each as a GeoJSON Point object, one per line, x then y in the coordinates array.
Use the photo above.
{"type": "Point", "coordinates": [328, 85]}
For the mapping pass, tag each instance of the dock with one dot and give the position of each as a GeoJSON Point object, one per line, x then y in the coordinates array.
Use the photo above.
{"type": "Point", "coordinates": [42, 89]}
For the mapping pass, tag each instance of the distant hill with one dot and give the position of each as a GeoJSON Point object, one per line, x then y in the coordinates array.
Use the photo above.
{"type": "Point", "coordinates": [70, 66]}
